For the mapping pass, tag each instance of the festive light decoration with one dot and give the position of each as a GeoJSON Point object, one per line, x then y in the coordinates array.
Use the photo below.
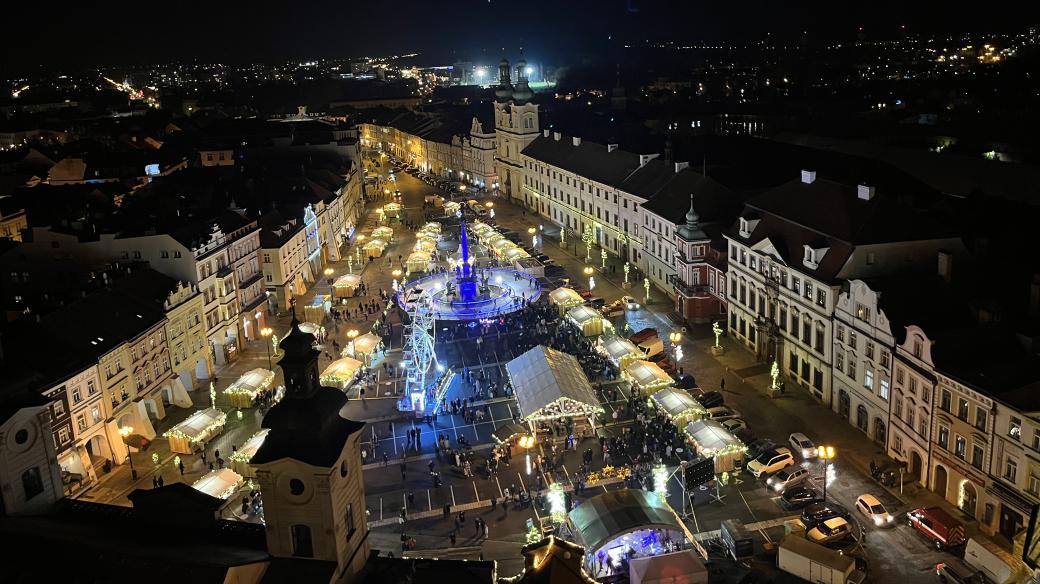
{"type": "Point", "coordinates": [717, 330]}
{"type": "Point", "coordinates": [646, 288]}
{"type": "Point", "coordinates": [603, 258]}
{"type": "Point", "coordinates": [216, 423]}
{"type": "Point", "coordinates": [212, 395]}
{"type": "Point", "coordinates": [557, 503]}
{"type": "Point", "coordinates": [660, 473]}
{"type": "Point", "coordinates": [609, 472]}
{"type": "Point", "coordinates": [155, 458]}
{"type": "Point", "coordinates": [774, 374]}
{"type": "Point", "coordinates": [627, 268]}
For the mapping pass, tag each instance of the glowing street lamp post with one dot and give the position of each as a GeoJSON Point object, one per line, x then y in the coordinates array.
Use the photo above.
{"type": "Point", "coordinates": [352, 334]}
{"type": "Point", "coordinates": [592, 281]}
{"type": "Point", "coordinates": [266, 332]}
{"type": "Point", "coordinates": [125, 432]}
{"type": "Point", "coordinates": [527, 443]}
{"type": "Point", "coordinates": [676, 337]}
{"type": "Point", "coordinates": [627, 268]}
{"type": "Point", "coordinates": [396, 274]}
{"type": "Point", "coordinates": [826, 454]}
{"type": "Point", "coordinates": [534, 238]}
{"type": "Point", "coordinates": [328, 276]}
{"type": "Point", "coordinates": [646, 288]}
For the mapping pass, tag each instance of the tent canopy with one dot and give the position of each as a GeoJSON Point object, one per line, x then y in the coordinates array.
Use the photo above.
{"type": "Point", "coordinates": [675, 568]}
{"type": "Point", "coordinates": [309, 327]}
{"type": "Point", "coordinates": [220, 483]}
{"type": "Point", "coordinates": [347, 280]}
{"type": "Point", "coordinates": [252, 382]}
{"type": "Point", "coordinates": [375, 243]}
{"type": "Point", "coordinates": [383, 232]}
{"type": "Point", "coordinates": [550, 384]}
{"type": "Point", "coordinates": [647, 374]}
{"type": "Point", "coordinates": [366, 343]}
{"type": "Point", "coordinates": [200, 423]}
{"type": "Point", "coordinates": [566, 297]}
{"type": "Point", "coordinates": [605, 517]}
{"type": "Point", "coordinates": [583, 314]}
{"type": "Point", "coordinates": [677, 402]}
{"type": "Point", "coordinates": [617, 348]}
{"type": "Point", "coordinates": [247, 450]}
{"type": "Point", "coordinates": [710, 436]}
{"type": "Point", "coordinates": [432, 226]}
{"type": "Point", "coordinates": [342, 369]}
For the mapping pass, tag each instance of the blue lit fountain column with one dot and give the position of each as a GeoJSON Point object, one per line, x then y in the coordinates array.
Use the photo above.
{"type": "Point", "coordinates": [467, 283]}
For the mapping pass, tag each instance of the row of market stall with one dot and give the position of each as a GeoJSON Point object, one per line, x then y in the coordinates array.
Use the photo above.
{"type": "Point", "coordinates": [426, 241]}
{"type": "Point", "coordinates": [496, 243]}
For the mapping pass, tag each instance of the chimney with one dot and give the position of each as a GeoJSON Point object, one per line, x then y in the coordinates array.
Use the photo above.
{"type": "Point", "coordinates": [556, 136]}
{"type": "Point", "coordinates": [1034, 296]}
{"type": "Point", "coordinates": [945, 265]}
{"type": "Point", "coordinates": [545, 132]}
{"type": "Point", "coordinates": [808, 176]}
{"type": "Point", "coordinates": [611, 147]}
{"type": "Point", "coordinates": [576, 140]}
{"type": "Point", "coordinates": [865, 192]}
{"type": "Point", "coordinates": [680, 166]}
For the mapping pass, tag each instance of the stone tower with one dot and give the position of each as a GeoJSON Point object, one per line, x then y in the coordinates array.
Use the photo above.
{"type": "Point", "coordinates": [516, 126]}
{"type": "Point", "coordinates": [309, 469]}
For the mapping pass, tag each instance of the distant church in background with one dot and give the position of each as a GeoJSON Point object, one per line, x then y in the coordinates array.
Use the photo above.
{"type": "Point", "coordinates": [516, 125]}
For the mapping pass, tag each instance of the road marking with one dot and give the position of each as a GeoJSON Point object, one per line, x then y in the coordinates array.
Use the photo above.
{"type": "Point", "coordinates": [404, 501]}
{"type": "Point", "coordinates": [476, 495]}
{"type": "Point", "coordinates": [499, 485]}
{"type": "Point", "coordinates": [522, 485]}
{"type": "Point", "coordinates": [452, 489]}
{"type": "Point", "coordinates": [380, 508]}
{"type": "Point", "coordinates": [762, 531]}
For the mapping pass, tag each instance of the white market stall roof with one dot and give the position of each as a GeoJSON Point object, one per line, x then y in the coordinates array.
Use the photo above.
{"type": "Point", "coordinates": [566, 297]}
{"type": "Point", "coordinates": [425, 245]}
{"type": "Point", "coordinates": [251, 383]}
{"type": "Point", "coordinates": [341, 371]}
{"type": "Point", "coordinates": [348, 281]}
{"type": "Point", "coordinates": [451, 207]}
{"type": "Point", "coordinates": [677, 402]}
{"type": "Point", "coordinates": [220, 483]}
{"type": "Point", "coordinates": [419, 256]}
{"type": "Point", "coordinates": [432, 226]}
{"type": "Point", "coordinates": [309, 327]}
{"type": "Point", "coordinates": [383, 233]}
{"type": "Point", "coordinates": [499, 244]}
{"type": "Point", "coordinates": [374, 243]}
{"type": "Point", "coordinates": [366, 343]}
{"type": "Point", "coordinates": [246, 451]}
{"type": "Point", "coordinates": [550, 384]}
{"type": "Point", "coordinates": [618, 348]}
{"type": "Point", "coordinates": [391, 207]}
{"type": "Point", "coordinates": [648, 374]}
{"type": "Point", "coordinates": [515, 252]}
{"type": "Point", "coordinates": [583, 314]}
{"type": "Point", "coordinates": [675, 568]}
{"type": "Point", "coordinates": [197, 426]}
{"type": "Point", "coordinates": [710, 437]}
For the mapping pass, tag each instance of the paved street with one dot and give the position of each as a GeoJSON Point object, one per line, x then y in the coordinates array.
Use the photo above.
{"type": "Point", "coordinates": [398, 472]}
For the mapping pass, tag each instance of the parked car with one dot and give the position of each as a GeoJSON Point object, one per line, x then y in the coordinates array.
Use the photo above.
{"type": "Point", "coordinates": [770, 461]}
{"type": "Point", "coordinates": [710, 399]}
{"type": "Point", "coordinates": [831, 530]}
{"type": "Point", "coordinates": [721, 413]}
{"type": "Point", "coordinates": [801, 444]}
{"type": "Point", "coordinates": [818, 512]}
{"type": "Point", "coordinates": [630, 303]}
{"type": "Point", "coordinates": [734, 425]}
{"type": "Point", "coordinates": [938, 526]}
{"type": "Point", "coordinates": [755, 448]}
{"type": "Point", "coordinates": [869, 505]}
{"type": "Point", "coordinates": [800, 495]}
{"type": "Point", "coordinates": [951, 572]}
{"type": "Point", "coordinates": [787, 477]}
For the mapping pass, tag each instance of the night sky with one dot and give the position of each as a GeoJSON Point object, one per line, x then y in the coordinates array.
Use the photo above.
{"type": "Point", "coordinates": [122, 32]}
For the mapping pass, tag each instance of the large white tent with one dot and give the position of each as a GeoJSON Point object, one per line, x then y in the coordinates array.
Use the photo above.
{"type": "Point", "coordinates": [551, 384]}
{"type": "Point", "coordinates": [678, 405]}
{"type": "Point", "coordinates": [675, 568]}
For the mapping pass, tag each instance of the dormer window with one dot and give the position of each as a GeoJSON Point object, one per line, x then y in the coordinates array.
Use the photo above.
{"type": "Point", "coordinates": [747, 226]}
{"type": "Point", "coordinates": [813, 256]}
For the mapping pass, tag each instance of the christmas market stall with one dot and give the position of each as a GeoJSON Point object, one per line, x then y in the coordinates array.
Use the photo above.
{"type": "Point", "coordinates": [589, 320]}
{"type": "Point", "coordinates": [193, 433]}
{"type": "Point", "coordinates": [551, 385]}
{"type": "Point", "coordinates": [241, 457]}
{"type": "Point", "coordinates": [363, 348]}
{"type": "Point", "coordinates": [433, 227]}
{"type": "Point", "coordinates": [310, 328]}
{"type": "Point", "coordinates": [711, 440]}
{"type": "Point", "coordinates": [426, 245]}
{"type": "Point", "coordinates": [385, 233]}
{"type": "Point", "coordinates": [647, 376]}
{"type": "Point", "coordinates": [619, 350]}
{"type": "Point", "coordinates": [221, 483]}
{"type": "Point", "coordinates": [418, 261]}
{"type": "Point", "coordinates": [391, 210]}
{"type": "Point", "coordinates": [317, 309]}
{"type": "Point", "coordinates": [244, 390]}
{"type": "Point", "coordinates": [346, 285]}
{"type": "Point", "coordinates": [451, 208]}
{"type": "Point", "coordinates": [374, 247]}
{"type": "Point", "coordinates": [341, 372]}
{"type": "Point", "coordinates": [515, 253]}
{"type": "Point", "coordinates": [565, 298]}
{"type": "Point", "coordinates": [619, 526]}
{"type": "Point", "coordinates": [678, 405]}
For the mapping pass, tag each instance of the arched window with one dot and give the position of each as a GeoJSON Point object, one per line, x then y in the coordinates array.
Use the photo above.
{"type": "Point", "coordinates": [32, 483]}
{"type": "Point", "coordinates": [879, 430]}
{"type": "Point", "coordinates": [861, 417]}
{"type": "Point", "coordinates": [302, 546]}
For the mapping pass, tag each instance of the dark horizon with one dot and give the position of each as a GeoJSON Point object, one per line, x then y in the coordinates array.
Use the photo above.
{"type": "Point", "coordinates": [124, 34]}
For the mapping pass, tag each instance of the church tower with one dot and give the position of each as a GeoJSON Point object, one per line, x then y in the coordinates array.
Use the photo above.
{"type": "Point", "coordinates": [309, 469]}
{"type": "Point", "coordinates": [516, 126]}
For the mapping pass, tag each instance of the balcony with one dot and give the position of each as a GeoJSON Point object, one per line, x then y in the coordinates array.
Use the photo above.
{"type": "Point", "coordinates": [250, 280]}
{"type": "Point", "coordinates": [685, 289]}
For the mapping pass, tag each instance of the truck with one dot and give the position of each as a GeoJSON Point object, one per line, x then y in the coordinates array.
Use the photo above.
{"type": "Point", "coordinates": [995, 563]}
{"type": "Point", "coordinates": [815, 563]}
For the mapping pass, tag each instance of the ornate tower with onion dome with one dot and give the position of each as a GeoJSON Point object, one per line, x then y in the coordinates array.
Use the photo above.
{"type": "Point", "coordinates": [516, 126]}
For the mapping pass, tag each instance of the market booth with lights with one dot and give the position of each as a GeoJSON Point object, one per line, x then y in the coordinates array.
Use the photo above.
{"type": "Point", "coordinates": [565, 298]}
{"type": "Point", "coordinates": [391, 210]}
{"type": "Point", "coordinates": [624, 525]}
{"type": "Point", "coordinates": [589, 320]}
{"type": "Point", "coordinates": [341, 372]}
{"type": "Point", "coordinates": [621, 351]}
{"type": "Point", "coordinates": [346, 285]}
{"type": "Point", "coordinates": [193, 433]}
{"type": "Point", "coordinates": [647, 376]}
{"type": "Point", "coordinates": [418, 262]}
{"type": "Point", "coordinates": [244, 390]}
{"type": "Point", "coordinates": [318, 308]}
{"type": "Point", "coordinates": [363, 348]}
{"type": "Point", "coordinates": [549, 385]}
{"type": "Point", "coordinates": [374, 247]}
{"type": "Point", "coordinates": [385, 233]}
{"type": "Point", "coordinates": [241, 457]}
{"type": "Point", "coordinates": [678, 405]}
{"type": "Point", "coordinates": [710, 440]}
{"type": "Point", "coordinates": [221, 483]}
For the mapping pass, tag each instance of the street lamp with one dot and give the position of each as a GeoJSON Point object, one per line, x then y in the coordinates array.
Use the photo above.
{"type": "Point", "coordinates": [265, 333]}
{"type": "Point", "coordinates": [396, 274]}
{"type": "Point", "coordinates": [826, 454]}
{"type": "Point", "coordinates": [328, 275]}
{"type": "Point", "coordinates": [352, 334]}
{"type": "Point", "coordinates": [534, 238]}
{"type": "Point", "coordinates": [489, 204]}
{"type": "Point", "coordinates": [592, 281]}
{"type": "Point", "coordinates": [676, 337]}
{"type": "Point", "coordinates": [125, 432]}
{"type": "Point", "coordinates": [527, 442]}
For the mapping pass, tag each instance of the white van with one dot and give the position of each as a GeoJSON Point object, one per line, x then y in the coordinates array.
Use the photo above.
{"type": "Point", "coordinates": [996, 564]}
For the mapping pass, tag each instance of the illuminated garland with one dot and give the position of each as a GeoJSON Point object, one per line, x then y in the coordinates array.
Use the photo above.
{"type": "Point", "coordinates": [609, 472]}
{"type": "Point", "coordinates": [201, 436]}
{"type": "Point", "coordinates": [236, 389]}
